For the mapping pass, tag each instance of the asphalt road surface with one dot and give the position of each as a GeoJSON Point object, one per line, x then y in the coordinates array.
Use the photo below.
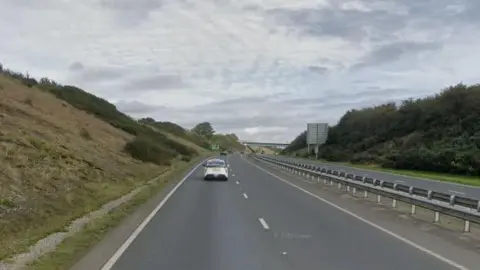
{"type": "Point", "coordinates": [254, 221]}
{"type": "Point", "coordinates": [445, 187]}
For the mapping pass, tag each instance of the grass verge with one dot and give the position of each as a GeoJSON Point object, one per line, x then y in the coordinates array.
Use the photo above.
{"type": "Point", "coordinates": [75, 247]}
{"type": "Point", "coordinates": [444, 177]}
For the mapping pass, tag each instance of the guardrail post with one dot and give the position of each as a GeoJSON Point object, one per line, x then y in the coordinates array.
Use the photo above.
{"type": "Point", "coordinates": [394, 203]}
{"type": "Point", "coordinates": [452, 200]}
{"type": "Point", "coordinates": [339, 185]}
{"type": "Point", "coordinates": [379, 198]}
{"type": "Point", "coordinates": [410, 190]}
{"type": "Point", "coordinates": [466, 228]}
{"type": "Point", "coordinates": [365, 194]}
{"type": "Point", "coordinates": [414, 208]}
{"type": "Point", "coordinates": [395, 186]}
{"type": "Point", "coordinates": [325, 181]}
{"type": "Point", "coordinates": [348, 188]}
{"type": "Point", "coordinates": [478, 206]}
{"type": "Point", "coordinates": [363, 179]}
{"type": "Point", "coordinates": [354, 191]}
{"type": "Point", "coordinates": [437, 217]}
{"type": "Point", "coordinates": [331, 182]}
{"type": "Point", "coordinates": [429, 194]}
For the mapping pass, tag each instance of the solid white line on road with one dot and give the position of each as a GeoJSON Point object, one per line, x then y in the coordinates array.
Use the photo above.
{"type": "Point", "coordinates": [245, 195]}
{"type": "Point", "coordinates": [264, 224]}
{"type": "Point", "coordinates": [399, 237]}
{"type": "Point", "coordinates": [109, 264]}
{"type": "Point", "coordinates": [457, 192]}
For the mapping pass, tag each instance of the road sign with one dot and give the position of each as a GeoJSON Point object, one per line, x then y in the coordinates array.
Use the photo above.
{"type": "Point", "coordinates": [317, 133]}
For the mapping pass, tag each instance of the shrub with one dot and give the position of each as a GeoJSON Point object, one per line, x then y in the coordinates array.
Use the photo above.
{"type": "Point", "coordinates": [144, 149]}
{"type": "Point", "coordinates": [85, 134]}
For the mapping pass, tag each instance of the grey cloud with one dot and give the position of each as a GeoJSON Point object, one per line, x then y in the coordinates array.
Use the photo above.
{"type": "Point", "coordinates": [136, 107]}
{"type": "Point", "coordinates": [131, 13]}
{"type": "Point", "coordinates": [39, 5]}
{"type": "Point", "coordinates": [132, 5]}
{"type": "Point", "coordinates": [155, 82]}
{"type": "Point", "coordinates": [76, 66]}
{"type": "Point", "coordinates": [336, 99]}
{"type": "Point", "coordinates": [395, 51]}
{"type": "Point", "coordinates": [80, 73]}
{"type": "Point", "coordinates": [335, 22]}
{"type": "Point", "coordinates": [378, 24]}
{"type": "Point", "coordinates": [443, 11]}
{"type": "Point", "coordinates": [317, 69]}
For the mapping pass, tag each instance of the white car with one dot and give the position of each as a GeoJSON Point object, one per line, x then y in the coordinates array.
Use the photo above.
{"type": "Point", "coordinates": [215, 169]}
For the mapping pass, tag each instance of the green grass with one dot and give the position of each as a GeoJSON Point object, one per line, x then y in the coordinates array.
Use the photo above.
{"type": "Point", "coordinates": [460, 179]}
{"type": "Point", "coordinates": [74, 248]}
{"type": "Point", "coordinates": [452, 178]}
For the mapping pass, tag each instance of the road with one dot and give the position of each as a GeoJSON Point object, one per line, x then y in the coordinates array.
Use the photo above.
{"type": "Point", "coordinates": [255, 221]}
{"type": "Point", "coordinates": [445, 187]}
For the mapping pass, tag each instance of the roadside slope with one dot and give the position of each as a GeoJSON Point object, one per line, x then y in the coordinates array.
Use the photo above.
{"type": "Point", "coordinates": [436, 134]}
{"type": "Point", "coordinates": [61, 159]}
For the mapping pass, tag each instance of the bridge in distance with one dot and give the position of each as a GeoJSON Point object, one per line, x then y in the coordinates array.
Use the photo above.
{"type": "Point", "coordinates": [265, 144]}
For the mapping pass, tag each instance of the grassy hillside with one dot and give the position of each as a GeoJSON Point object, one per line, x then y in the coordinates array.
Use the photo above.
{"type": "Point", "coordinates": [65, 152]}
{"type": "Point", "coordinates": [227, 142]}
{"type": "Point", "coordinates": [440, 133]}
{"type": "Point", "coordinates": [265, 150]}
{"type": "Point", "coordinates": [178, 131]}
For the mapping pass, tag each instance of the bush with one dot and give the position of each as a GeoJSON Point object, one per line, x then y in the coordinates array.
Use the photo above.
{"type": "Point", "coordinates": [85, 134]}
{"type": "Point", "coordinates": [177, 130]}
{"type": "Point", "coordinates": [180, 148]}
{"type": "Point", "coordinates": [440, 133]}
{"type": "Point", "coordinates": [144, 149]}
{"type": "Point", "coordinates": [186, 158]}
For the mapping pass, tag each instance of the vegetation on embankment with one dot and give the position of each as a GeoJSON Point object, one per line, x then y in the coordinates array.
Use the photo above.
{"type": "Point", "coordinates": [227, 142]}
{"type": "Point", "coordinates": [178, 131]}
{"type": "Point", "coordinates": [64, 153]}
{"type": "Point", "coordinates": [440, 133]}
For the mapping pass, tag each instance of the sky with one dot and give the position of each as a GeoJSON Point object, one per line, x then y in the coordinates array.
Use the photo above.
{"type": "Point", "coordinates": [261, 69]}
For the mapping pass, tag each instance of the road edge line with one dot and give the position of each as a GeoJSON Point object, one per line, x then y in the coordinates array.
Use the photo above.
{"type": "Point", "coordinates": [397, 236]}
{"type": "Point", "coordinates": [114, 258]}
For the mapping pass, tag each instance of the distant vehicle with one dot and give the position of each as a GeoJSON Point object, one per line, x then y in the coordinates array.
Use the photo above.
{"type": "Point", "coordinates": [215, 169]}
{"type": "Point", "coordinates": [223, 153]}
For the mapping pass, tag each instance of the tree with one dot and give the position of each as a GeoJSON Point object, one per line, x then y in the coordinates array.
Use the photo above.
{"type": "Point", "coordinates": [204, 129]}
{"type": "Point", "coordinates": [440, 133]}
{"type": "Point", "coordinates": [233, 136]}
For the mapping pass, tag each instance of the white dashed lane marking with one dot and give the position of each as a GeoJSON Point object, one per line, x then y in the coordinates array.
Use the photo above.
{"type": "Point", "coordinates": [264, 223]}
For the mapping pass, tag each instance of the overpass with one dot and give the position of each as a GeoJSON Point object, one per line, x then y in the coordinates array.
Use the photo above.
{"type": "Point", "coordinates": [276, 145]}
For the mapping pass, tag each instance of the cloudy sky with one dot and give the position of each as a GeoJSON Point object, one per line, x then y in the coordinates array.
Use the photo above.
{"type": "Point", "coordinates": [259, 68]}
